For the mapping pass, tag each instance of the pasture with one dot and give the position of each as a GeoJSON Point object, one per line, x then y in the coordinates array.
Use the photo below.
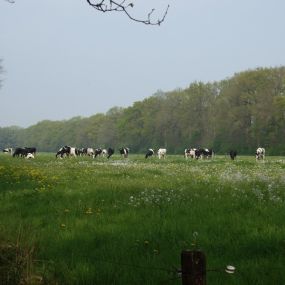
{"type": "Point", "coordinates": [125, 221]}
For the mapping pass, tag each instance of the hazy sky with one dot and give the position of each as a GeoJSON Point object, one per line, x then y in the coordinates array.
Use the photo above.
{"type": "Point", "coordinates": [64, 59]}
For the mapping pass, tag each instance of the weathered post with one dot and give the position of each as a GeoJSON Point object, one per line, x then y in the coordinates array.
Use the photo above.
{"type": "Point", "coordinates": [193, 267]}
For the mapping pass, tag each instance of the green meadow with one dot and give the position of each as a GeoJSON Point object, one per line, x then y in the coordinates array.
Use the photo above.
{"type": "Point", "coordinates": [126, 221]}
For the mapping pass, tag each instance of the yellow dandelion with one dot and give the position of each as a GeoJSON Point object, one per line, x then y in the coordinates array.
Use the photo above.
{"type": "Point", "coordinates": [63, 226]}
{"type": "Point", "coordinates": [89, 211]}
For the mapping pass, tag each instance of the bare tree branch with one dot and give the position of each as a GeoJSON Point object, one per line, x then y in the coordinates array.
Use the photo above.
{"type": "Point", "coordinates": [125, 6]}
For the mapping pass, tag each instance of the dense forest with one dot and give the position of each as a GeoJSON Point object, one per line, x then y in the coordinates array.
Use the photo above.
{"type": "Point", "coordinates": [241, 112]}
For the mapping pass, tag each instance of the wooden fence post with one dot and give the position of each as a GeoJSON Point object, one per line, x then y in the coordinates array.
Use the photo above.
{"type": "Point", "coordinates": [193, 267]}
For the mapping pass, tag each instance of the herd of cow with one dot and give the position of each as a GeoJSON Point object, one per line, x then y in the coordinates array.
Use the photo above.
{"type": "Point", "coordinates": [73, 151]}
{"type": "Point", "coordinates": [28, 152]}
{"type": "Point", "coordinates": [68, 151]}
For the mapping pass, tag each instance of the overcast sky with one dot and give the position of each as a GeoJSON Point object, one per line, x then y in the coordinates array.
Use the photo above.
{"type": "Point", "coordinates": [64, 59]}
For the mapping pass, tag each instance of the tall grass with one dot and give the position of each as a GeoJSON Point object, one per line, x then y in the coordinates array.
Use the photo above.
{"type": "Point", "coordinates": [99, 221]}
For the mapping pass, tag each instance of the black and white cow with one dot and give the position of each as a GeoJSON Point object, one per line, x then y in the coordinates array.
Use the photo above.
{"type": "Point", "coordinates": [72, 151]}
{"type": "Point", "coordinates": [98, 151]}
{"type": "Point", "coordinates": [260, 153]}
{"type": "Point", "coordinates": [149, 153]}
{"type": "Point", "coordinates": [161, 153]}
{"type": "Point", "coordinates": [233, 154]}
{"type": "Point", "coordinates": [31, 150]}
{"type": "Point", "coordinates": [8, 150]}
{"type": "Point", "coordinates": [80, 151]}
{"type": "Point", "coordinates": [66, 151]}
{"type": "Point", "coordinates": [63, 151]}
{"type": "Point", "coordinates": [29, 155]}
{"type": "Point", "coordinates": [110, 152]}
{"type": "Point", "coordinates": [189, 152]}
{"type": "Point", "coordinates": [83, 150]}
{"type": "Point", "coordinates": [198, 153]}
{"type": "Point", "coordinates": [104, 152]}
{"type": "Point", "coordinates": [124, 151]}
{"type": "Point", "coordinates": [90, 152]}
{"type": "Point", "coordinates": [19, 151]}
{"type": "Point", "coordinates": [204, 153]}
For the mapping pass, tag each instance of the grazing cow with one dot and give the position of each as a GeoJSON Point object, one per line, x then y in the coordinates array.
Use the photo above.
{"type": "Point", "coordinates": [31, 150]}
{"type": "Point", "coordinates": [90, 151]}
{"type": "Point", "coordinates": [233, 154]}
{"type": "Point", "coordinates": [104, 152]}
{"type": "Point", "coordinates": [161, 153]}
{"type": "Point", "coordinates": [260, 153]}
{"type": "Point", "coordinates": [189, 152]}
{"type": "Point", "coordinates": [98, 151]}
{"type": "Point", "coordinates": [198, 153]}
{"type": "Point", "coordinates": [110, 152]}
{"type": "Point", "coordinates": [150, 152]}
{"type": "Point", "coordinates": [19, 151]}
{"type": "Point", "coordinates": [8, 150]}
{"type": "Point", "coordinates": [204, 153]}
{"type": "Point", "coordinates": [208, 153]}
{"type": "Point", "coordinates": [66, 151]}
{"type": "Point", "coordinates": [30, 155]}
{"type": "Point", "coordinates": [83, 151]}
{"type": "Point", "coordinates": [72, 151]}
{"type": "Point", "coordinates": [80, 151]}
{"type": "Point", "coordinates": [124, 151]}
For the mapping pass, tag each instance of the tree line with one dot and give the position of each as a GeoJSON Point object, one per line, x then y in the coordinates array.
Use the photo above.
{"type": "Point", "coordinates": [242, 113]}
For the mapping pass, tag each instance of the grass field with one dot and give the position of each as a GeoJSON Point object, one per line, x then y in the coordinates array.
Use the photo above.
{"type": "Point", "coordinates": [99, 221]}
